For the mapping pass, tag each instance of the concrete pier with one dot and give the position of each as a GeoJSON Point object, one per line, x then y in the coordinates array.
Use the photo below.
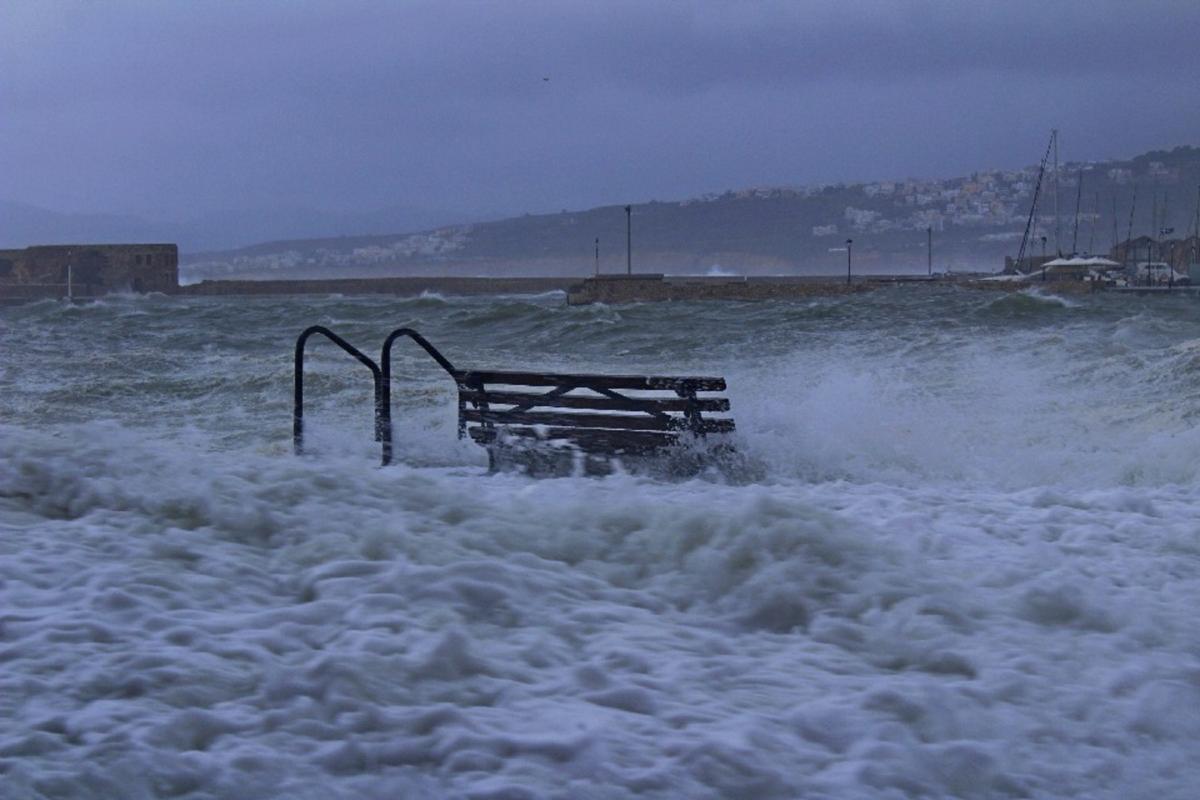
{"type": "Point", "coordinates": [1186, 290]}
{"type": "Point", "coordinates": [405, 286]}
{"type": "Point", "coordinates": [657, 288]}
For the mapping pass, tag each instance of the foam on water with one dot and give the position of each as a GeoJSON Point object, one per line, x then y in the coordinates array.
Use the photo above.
{"type": "Point", "coordinates": [967, 567]}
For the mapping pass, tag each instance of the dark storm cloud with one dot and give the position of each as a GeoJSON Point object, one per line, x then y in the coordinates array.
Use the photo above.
{"type": "Point", "coordinates": [180, 108]}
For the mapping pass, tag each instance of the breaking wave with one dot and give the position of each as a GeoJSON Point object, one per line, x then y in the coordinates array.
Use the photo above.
{"type": "Point", "coordinates": [966, 566]}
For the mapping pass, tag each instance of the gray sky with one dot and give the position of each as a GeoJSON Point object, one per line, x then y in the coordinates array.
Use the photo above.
{"type": "Point", "coordinates": [175, 109]}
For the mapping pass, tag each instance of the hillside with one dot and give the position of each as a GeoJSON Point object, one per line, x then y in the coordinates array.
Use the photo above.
{"type": "Point", "coordinates": [976, 221]}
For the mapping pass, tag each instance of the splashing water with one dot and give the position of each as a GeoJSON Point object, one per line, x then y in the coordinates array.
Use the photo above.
{"type": "Point", "coordinates": [966, 564]}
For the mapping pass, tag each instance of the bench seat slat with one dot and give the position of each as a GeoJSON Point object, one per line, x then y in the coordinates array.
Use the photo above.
{"type": "Point", "coordinates": [506, 378]}
{"type": "Point", "coordinates": [588, 440]}
{"type": "Point", "coordinates": [649, 405]}
{"type": "Point", "coordinates": [636, 422]}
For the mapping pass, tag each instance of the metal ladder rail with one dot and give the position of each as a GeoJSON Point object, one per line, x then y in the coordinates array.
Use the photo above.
{"type": "Point", "coordinates": [385, 395]}
{"type": "Point", "coordinates": [298, 396]}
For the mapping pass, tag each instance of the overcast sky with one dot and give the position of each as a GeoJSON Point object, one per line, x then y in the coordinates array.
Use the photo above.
{"type": "Point", "coordinates": [170, 109]}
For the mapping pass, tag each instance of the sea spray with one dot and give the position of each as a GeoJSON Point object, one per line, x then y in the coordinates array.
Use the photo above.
{"type": "Point", "coordinates": [967, 565]}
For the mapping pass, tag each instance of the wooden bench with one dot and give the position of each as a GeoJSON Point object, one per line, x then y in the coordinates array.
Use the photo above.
{"type": "Point", "coordinates": [542, 422]}
{"type": "Point", "coordinates": [554, 422]}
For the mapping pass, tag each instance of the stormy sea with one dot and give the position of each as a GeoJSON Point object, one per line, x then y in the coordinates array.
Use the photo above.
{"type": "Point", "coordinates": [960, 558]}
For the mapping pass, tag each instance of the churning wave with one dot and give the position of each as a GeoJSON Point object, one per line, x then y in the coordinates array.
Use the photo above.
{"type": "Point", "coordinates": [966, 567]}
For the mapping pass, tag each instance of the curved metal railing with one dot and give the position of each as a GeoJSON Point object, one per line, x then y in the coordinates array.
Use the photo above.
{"type": "Point", "coordinates": [298, 384]}
{"type": "Point", "coordinates": [381, 375]}
{"type": "Point", "coordinates": [385, 401]}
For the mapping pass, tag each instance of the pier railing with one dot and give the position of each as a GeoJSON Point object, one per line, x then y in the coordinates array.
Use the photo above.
{"type": "Point", "coordinates": [384, 422]}
{"type": "Point", "coordinates": [381, 377]}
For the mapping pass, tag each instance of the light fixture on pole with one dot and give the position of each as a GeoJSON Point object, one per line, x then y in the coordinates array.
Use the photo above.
{"type": "Point", "coordinates": [629, 240]}
{"type": "Point", "coordinates": [929, 234]}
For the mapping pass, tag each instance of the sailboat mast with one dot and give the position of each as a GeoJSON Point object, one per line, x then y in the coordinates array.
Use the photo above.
{"type": "Point", "coordinates": [1129, 233]}
{"type": "Point", "coordinates": [1196, 241]}
{"type": "Point", "coordinates": [1198, 215]}
{"type": "Point", "coordinates": [1115, 241]}
{"type": "Point", "coordinates": [1033, 208]}
{"type": "Point", "coordinates": [1078, 197]}
{"type": "Point", "coordinates": [1095, 219]}
{"type": "Point", "coordinates": [1057, 246]}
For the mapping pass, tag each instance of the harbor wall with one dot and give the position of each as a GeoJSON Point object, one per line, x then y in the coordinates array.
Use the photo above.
{"type": "Point", "coordinates": [658, 288]}
{"type": "Point", "coordinates": [396, 286]}
{"type": "Point", "coordinates": [88, 270]}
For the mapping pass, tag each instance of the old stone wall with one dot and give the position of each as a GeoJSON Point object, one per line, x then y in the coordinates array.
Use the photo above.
{"type": "Point", "coordinates": [91, 269]}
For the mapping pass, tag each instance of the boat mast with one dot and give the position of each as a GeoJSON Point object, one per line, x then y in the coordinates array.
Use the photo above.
{"type": "Point", "coordinates": [1078, 197]}
{"type": "Point", "coordinates": [1115, 234]}
{"type": "Point", "coordinates": [1153, 220]}
{"type": "Point", "coordinates": [1196, 240]}
{"type": "Point", "coordinates": [1057, 245]}
{"type": "Point", "coordinates": [1132, 210]}
{"type": "Point", "coordinates": [1198, 213]}
{"type": "Point", "coordinates": [1095, 219]}
{"type": "Point", "coordinates": [1037, 190]}
{"type": "Point", "coordinates": [1129, 233]}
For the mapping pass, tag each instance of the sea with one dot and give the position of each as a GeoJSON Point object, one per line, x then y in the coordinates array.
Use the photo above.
{"type": "Point", "coordinates": [958, 556]}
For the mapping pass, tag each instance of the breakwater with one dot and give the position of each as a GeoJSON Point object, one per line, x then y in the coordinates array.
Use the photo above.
{"type": "Point", "coordinates": [407, 286]}
{"type": "Point", "coordinates": [600, 289]}
{"type": "Point", "coordinates": [650, 288]}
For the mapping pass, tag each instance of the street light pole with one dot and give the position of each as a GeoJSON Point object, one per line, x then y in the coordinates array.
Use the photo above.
{"type": "Point", "coordinates": [629, 240]}
{"type": "Point", "coordinates": [1043, 258]}
{"type": "Point", "coordinates": [597, 255]}
{"type": "Point", "coordinates": [929, 233]}
{"type": "Point", "coordinates": [1170, 258]}
{"type": "Point", "coordinates": [849, 244]}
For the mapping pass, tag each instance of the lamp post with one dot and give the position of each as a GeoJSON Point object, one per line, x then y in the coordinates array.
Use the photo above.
{"type": "Point", "coordinates": [1150, 276]}
{"type": "Point", "coordinates": [929, 234]}
{"type": "Point", "coordinates": [597, 255]}
{"type": "Point", "coordinates": [849, 244]}
{"type": "Point", "coordinates": [1165, 232]}
{"type": "Point", "coordinates": [1043, 258]}
{"type": "Point", "coordinates": [628, 240]}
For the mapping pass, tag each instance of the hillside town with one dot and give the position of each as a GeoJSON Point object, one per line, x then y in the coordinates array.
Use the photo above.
{"type": "Point", "coordinates": [1139, 209]}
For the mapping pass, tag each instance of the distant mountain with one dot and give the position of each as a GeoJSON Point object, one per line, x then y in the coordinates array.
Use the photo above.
{"type": "Point", "coordinates": [216, 230]}
{"type": "Point", "coordinates": [975, 220]}
{"type": "Point", "coordinates": [23, 225]}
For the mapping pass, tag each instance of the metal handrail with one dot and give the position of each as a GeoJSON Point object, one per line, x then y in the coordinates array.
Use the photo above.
{"type": "Point", "coordinates": [470, 385]}
{"type": "Point", "coordinates": [298, 398]}
{"type": "Point", "coordinates": [384, 420]}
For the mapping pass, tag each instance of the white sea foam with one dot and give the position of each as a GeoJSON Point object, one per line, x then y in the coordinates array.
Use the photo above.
{"type": "Point", "coordinates": [954, 577]}
{"type": "Point", "coordinates": [176, 621]}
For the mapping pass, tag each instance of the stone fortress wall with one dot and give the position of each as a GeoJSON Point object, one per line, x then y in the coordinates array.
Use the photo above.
{"type": "Point", "coordinates": [89, 269]}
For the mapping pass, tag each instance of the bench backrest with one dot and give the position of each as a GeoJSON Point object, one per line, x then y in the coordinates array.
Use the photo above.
{"type": "Point", "coordinates": [596, 412]}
